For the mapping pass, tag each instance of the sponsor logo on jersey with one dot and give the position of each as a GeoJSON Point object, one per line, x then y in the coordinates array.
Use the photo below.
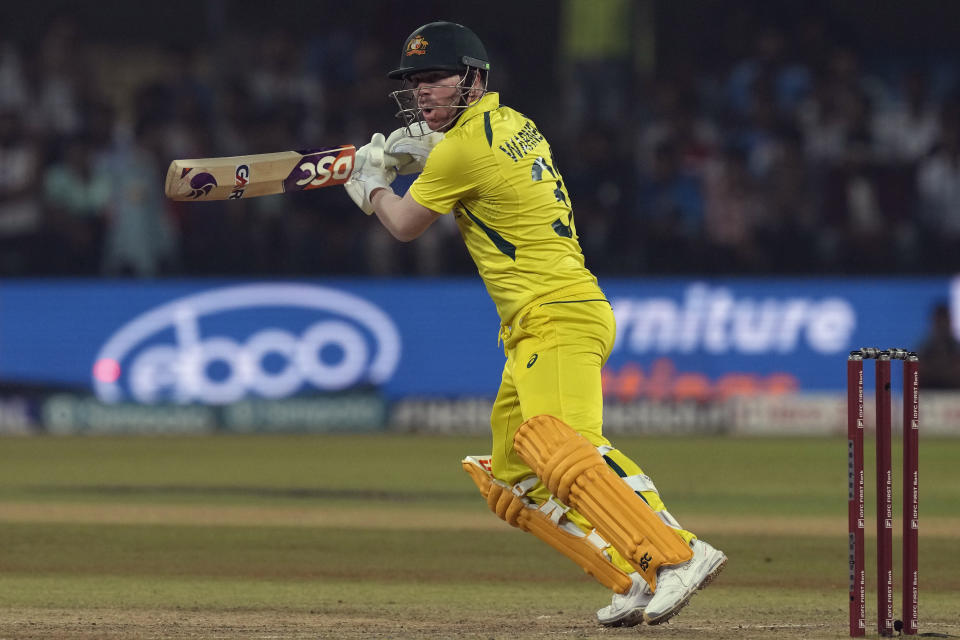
{"type": "Point", "coordinates": [531, 361]}
{"type": "Point", "coordinates": [417, 46]}
{"type": "Point", "coordinates": [231, 343]}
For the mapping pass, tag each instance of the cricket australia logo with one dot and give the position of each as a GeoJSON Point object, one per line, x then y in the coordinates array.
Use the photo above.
{"type": "Point", "coordinates": [417, 46]}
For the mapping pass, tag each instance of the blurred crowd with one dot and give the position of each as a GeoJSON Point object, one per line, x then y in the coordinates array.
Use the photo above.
{"type": "Point", "coordinates": [796, 154]}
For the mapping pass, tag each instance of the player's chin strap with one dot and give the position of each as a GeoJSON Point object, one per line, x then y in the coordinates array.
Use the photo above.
{"type": "Point", "coordinates": [547, 522]}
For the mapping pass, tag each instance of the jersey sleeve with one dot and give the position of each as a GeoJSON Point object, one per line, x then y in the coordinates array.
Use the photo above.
{"type": "Point", "coordinates": [447, 177]}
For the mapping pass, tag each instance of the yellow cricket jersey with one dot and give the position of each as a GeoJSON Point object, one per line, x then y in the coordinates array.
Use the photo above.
{"type": "Point", "coordinates": [495, 172]}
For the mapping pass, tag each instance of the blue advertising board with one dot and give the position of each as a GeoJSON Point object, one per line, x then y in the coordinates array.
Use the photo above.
{"type": "Point", "coordinates": [219, 341]}
{"type": "Point", "coordinates": [705, 337]}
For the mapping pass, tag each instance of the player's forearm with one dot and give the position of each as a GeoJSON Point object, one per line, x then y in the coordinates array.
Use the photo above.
{"type": "Point", "coordinates": [385, 206]}
{"type": "Point", "coordinates": [403, 222]}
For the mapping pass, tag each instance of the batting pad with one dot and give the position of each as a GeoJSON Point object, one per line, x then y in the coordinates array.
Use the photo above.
{"type": "Point", "coordinates": [544, 522]}
{"type": "Point", "coordinates": [573, 470]}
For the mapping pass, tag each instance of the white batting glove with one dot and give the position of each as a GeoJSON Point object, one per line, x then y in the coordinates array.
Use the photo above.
{"type": "Point", "coordinates": [372, 169]}
{"type": "Point", "coordinates": [411, 151]}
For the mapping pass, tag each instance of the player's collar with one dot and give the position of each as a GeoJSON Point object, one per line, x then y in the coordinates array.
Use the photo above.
{"type": "Point", "coordinates": [489, 102]}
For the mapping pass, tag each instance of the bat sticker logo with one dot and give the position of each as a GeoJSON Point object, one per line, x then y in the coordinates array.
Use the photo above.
{"type": "Point", "coordinates": [321, 168]}
{"type": "Point", "coordinates": [201, 185]}
{"type": "Point", "coordinates": [242, 178]}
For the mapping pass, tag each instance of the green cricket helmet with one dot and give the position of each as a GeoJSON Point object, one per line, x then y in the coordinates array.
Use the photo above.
{"type": "Point", "coordinates": [440, 46]}
{"type": "Point", "coordinates": [444, 46]}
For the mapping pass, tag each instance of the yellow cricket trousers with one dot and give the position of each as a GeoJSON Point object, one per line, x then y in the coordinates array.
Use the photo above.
{"type": "Point", "coordinates": [555, 351]}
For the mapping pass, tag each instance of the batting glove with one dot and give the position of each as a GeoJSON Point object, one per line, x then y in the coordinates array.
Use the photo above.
{"type": "Point", "coordinates": [372, 169]}
{"type": "Point", "coordinates": [411, 151]}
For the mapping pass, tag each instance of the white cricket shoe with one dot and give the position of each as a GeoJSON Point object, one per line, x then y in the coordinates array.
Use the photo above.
{"type": "Point", "coordinates": [676, 584]}
{"type": "Point", "coordinates": [626, 610]}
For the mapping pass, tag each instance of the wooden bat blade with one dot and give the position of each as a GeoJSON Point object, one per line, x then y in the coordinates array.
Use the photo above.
{"type": "Point", "coordinates": [235, 177]}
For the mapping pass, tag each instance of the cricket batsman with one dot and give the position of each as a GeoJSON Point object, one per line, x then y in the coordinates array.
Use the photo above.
{"type": "Point", "coordinates": [551, 472]}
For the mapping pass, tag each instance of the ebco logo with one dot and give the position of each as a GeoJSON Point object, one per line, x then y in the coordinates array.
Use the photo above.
{"type": "Point", "coordinates": [417, 46]}
{"type": "Point", "coordinates": [270, 341]}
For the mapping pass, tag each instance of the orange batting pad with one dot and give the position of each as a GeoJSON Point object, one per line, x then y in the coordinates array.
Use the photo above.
{"type": "Point", "coordinates": [574, 471]}
{"type": "Point", "coordinates": [526, 516]}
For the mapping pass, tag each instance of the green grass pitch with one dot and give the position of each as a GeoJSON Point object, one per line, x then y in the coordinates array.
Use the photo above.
{"type": "Point", "coordinates": [383, 536]}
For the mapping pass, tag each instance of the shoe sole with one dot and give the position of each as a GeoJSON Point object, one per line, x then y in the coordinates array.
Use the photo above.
{"type": "Point", "coordinates": [704, 583]}
{"type": "Point", "coordinates": [630, 619]}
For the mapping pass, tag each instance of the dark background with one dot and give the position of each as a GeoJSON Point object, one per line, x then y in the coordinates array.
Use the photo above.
{"type": "Point", "coordinates": [687, 146]}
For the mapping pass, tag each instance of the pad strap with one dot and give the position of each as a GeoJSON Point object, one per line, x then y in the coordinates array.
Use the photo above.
{"type": "Point", "coordinates": [643, 483]}
{"type": "Point", "coordinates": [573, 470]}
{"type": "Point", "coordinates": [546, 523]}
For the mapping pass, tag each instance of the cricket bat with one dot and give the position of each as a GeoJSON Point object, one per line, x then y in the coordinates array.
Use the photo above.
{"type": "Point", "coordinates": [235, 177]}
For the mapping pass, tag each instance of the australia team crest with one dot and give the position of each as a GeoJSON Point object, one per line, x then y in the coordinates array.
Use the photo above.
{"type": "Point", "coordinates": [417, 46]}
